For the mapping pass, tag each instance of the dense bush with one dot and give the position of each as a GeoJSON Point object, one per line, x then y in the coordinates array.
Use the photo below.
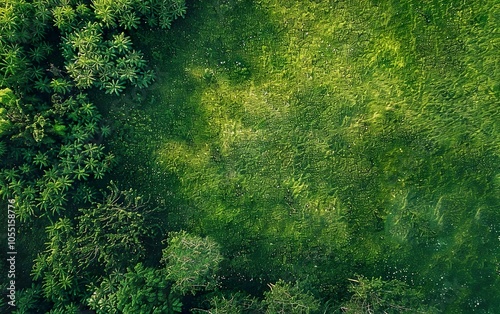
{"type": "Point", "coordinates": [139, 290]}
{"type": "Point", "coordinates": [191, 262]}
{"type": "Point", "coordinates": [51, 136]}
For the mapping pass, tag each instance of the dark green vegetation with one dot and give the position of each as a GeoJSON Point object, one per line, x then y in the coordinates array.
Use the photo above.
{"type": "Point", "coordinates": [334, 156]}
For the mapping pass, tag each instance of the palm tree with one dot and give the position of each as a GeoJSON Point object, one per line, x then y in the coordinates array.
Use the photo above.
{"type": "Point", "coordinates": [62, 226]}
{"type": "Point", "coordinates": [29, 193]}
{"type": "Point", "coordinates": [129, 20]}
{"type": "Point", "coordinates": [17, 185]}
{"type": "Point", "coordinates": [50, 286]}
{"type": "Point", "coordinates": [77, 146]}
{"type": "Point", "coordinates": [12, 59]}
{"type": "Point", "coordinates": [114, 87]}
{"type": "Point", "coordinates": [66, 281]}
{"type": "Point", "coordinates": [37, 72]}
{"type": "Point", "coordinates": [41, 159]}
{"type": "Point", "coordinates": [74, 115]}
{"type": "Point", "coordinates": [80, 173]}
{"type": "Point", "coordinates": [68, 164]}
{"type": "Point", "coordinates": [80, 134]}
{"type": "Point", "coordinates": [83, 10]}
{"type": "Point", "coordinates": [95, 118]}
{"type": "Point", "coordinates": [152, 20]}
{"type": "Point", "coordinates": [53, 187]}
{"type": "Point", "coordinates": [80, 97]}
{"type": "Point", "coordinates": [71, 105]}
{"type": "Point", "coordinates": [166, 19]}
{"type": "Point", "coordinates": [109, 159]}
{"type": "Point", "coordinates": [60, 85]}
{"type": "Point", "coordinates": [88, 108]}
{"type": "Point", "coordinates": [91, 128]}
{"type": "Point", "coordinates": [37, 54]}
{"type": "Point", "coordinates": [28, 154]}
{"type": "Point", "coordinates": [23, 35]}
{"type": "Point", "coordinates": [11, 174]}
{"type": "Point", "coordinates": [85, 193]}
{"type": "Point", "coordinates": [58, 200]}
{"type": "Point", "coordinates": [93, 150]}
{"type": "Point", "coordinates": [25, 211]}
{"type": "Point", "coordinates": [105, 130]}
{"type": "Point", "coordinates": [67, 50]}
{"type": "Point", "coordinates": [84, 79]}
{"type": "Point", "coordinates": [42, 13]}
{"type": "Point", "coordinates": [178, 8]}
{"type": "Point", "coordinates": [75, 42]}
{"type": "Point", "coordinates": [64, 17]}
{"type": "Point", "coordinates": [39, 266]}
{"type": "Point", "coordinates": [91, 163]}
{"type": "Point", "coordinates": [46, 48]}
{"type": "Point", "coordinates": [8, 23]}
{"type": "Point", "coordinates": [65, 182]}
{"type": "Point", "coordinates": [144, 7]}
{"type": "Point", "coordinates": [43, 85]}
{"type": "Point", "coordinates": [105, 75]}
{"type": "Point", "coordinates": [145, 79]}
{"type": "Point", "coordinates": [121, 43]}
{"type": "Point", "coordinates": [25, 168]}
{"type": "Point", "coordinates": [99, 61]}
{"type": "Point", "coordinates": [128, 73]}
{"type": "Point", "coordinates": [71, 68]}
{"type": "Point", "coordinates": [51, 174]}
{"type": "Point", "coordinates": [86, 39]}
{"type": "Point", "coordinates": [122, 62]}
{"type": "Point", "coordinates": [104, 12]}
{"type": "Point", "coordinates": [136, 59]}
{"type": "Point", "coordinates": [99, 172]}
{"type": "Point", "coordinates": [65, 150]}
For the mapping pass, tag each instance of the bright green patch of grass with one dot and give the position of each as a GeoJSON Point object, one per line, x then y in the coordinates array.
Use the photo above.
{"type": "Point", "coordinates": [317, 141]}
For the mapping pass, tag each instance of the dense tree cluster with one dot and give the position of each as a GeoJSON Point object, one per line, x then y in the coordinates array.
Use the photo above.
{"type": "Point", "coordinates": [139, 290]}
{"type": "Point", "coordinates": [50, 51]}
{"type": "Point", "coordinates": [50, 149]}
{"type": "Point", "coordinates": [95, 51]}
{"type": "Point", "coordinates": [51, 138]}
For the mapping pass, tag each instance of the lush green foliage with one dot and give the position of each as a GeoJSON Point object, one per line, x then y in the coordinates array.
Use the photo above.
{"type": "Point", "coordinates": [94, 51]}
{"type": "Point", "coordinates": [111, 232]}
{"type": "Point", "coordinates": [51, 138]}
{"type": "Point", "coordinates": [378, 296]}
{"type": "Point", "coordinates": [294, 143]}
{"type": "Point", "coordinates": [234, 303]}
{"type": "Point", "coordinates": [139, 290]}
{"type": "Point", "coordinates": [48, 152]}
{"type": "Point", "coordinates": [286, 298]}
{"type": "Point", "coordinates": [58, 267]}
{"type": "Point", "coordinates": [107, 64]}
{"type": "Point", "coordinates": [191, 262]}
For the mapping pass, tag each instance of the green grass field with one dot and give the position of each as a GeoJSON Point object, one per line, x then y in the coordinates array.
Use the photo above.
{"type": "Point", "coordinates": [319, 141]}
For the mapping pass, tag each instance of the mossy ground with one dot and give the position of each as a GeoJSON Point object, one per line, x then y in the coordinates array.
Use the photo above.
{"type": "Point", "coordinates": [315, 141]}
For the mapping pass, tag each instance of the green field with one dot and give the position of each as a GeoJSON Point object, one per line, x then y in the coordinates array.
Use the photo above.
{"type": "Point", "coordinates": [322, 140]}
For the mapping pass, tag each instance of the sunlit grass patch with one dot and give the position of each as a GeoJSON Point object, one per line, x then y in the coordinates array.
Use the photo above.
{"type": "Point", "coordinates": [315, 141]}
